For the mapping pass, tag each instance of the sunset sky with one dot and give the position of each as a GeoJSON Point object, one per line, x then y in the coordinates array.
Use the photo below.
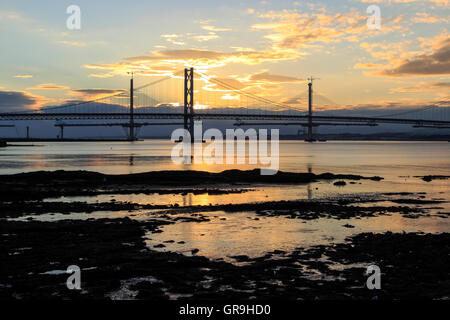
{"type": "Point", "coordinates": [265, 47]}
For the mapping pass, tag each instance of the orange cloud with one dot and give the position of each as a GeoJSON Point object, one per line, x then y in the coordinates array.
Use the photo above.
{"type": "Point", "coordinates": [424, 86]}
{"type": "Point", "coordinates": [49, 86]}
{"type": "Point", "coordinates": [293, 30]}
{"type": "Point", "coordinates": [272, 78]}
{"type": "Point", "coordinates": [215, 29]}
{"type": "Point", "coordinates": [368, 66]}
{"type": "Point", "coordinates": [438, 2]}
{"type": "Point", "coordinates": [23, 76]}
{"type": "Point", "coordinates": [423, 17]}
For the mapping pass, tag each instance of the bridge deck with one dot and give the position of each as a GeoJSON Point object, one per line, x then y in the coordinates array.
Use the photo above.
{"type": "Point", "coordinates": [217, 116]}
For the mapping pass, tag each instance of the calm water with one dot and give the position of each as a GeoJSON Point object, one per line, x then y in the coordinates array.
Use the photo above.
{"type": "Point", "coordinates": [239, 233]}
{"type": "Point", "coordinates": [383, 158]}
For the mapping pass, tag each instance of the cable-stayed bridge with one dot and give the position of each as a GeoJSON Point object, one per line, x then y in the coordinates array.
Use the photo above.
{"type": "Point", "coordinates": [187, 96]}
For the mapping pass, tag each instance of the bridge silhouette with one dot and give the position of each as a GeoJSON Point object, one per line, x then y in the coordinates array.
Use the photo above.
{"type": "Point", "coordinates": [188, 96]}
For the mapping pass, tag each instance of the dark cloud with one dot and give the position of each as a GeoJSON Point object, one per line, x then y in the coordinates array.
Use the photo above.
{"type": "Point", "coordinates": [11, 101]}
{"type": "Point", "coordinates": [436, 63]}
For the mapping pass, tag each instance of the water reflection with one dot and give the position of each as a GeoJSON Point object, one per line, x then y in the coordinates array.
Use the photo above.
{"type": "Point", "coordinates": [187, 199]}
{"type": "Point", "coordinates": [231, 234]}
{"type": "Point", "coordinates": [310, 196]}
{"type": "Point", "coordinates": [388, 159]}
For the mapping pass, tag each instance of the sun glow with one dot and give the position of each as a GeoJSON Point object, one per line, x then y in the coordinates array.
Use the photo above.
{"type": "Point", "coordinates": [198, 106]}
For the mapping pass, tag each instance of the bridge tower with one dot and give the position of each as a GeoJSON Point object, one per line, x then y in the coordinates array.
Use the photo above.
{"type": "Point", "coordinates": [132, 136]}
{"type": "Point", "coordinates": [189, 101]}
{"type": "Point", "coordinates": [310, 138]}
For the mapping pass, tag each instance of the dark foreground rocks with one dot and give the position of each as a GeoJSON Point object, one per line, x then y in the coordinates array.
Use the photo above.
{"type": "Point", "coordinates": [116, 263]}
{"type": "Point", "coordinates": [296, 209]}
{"type": "Point", "coordinates": [431, 178]}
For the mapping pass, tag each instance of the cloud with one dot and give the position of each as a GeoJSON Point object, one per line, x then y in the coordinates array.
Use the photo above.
{"type": "Point", "coordinates": [293, 30]}
{"type": "Point", "coordinates": [429, 57]}
{"type": "Point", "coordinates": [206, 57]}
{"type": "Point", "coordinates": [173, 38]}
{"type": "Point", "coordinates": [368, 66]}
{"type": "Point", "coordinates": [12, 101]}
{"type": "Point", "coordinates": [432, 64]}
{"type": "Point", "coordinates": [23, 76]}
{"type": "Point", "coordinates": [389, 52]}
{"type": "Point", "coordinates": [206, 37]}
{"type": "Point", "coordinates": [102, 75]}
{"type": "Point", "coordinates": [423, 17]}
{"type": "Point", "coordinates": [424, 86]}
{"type": "Point", "coordinates": [166, 62]}
{"type": "Point", "coordinates": [431, 44]}
{"type": "Point", "coordinates": [206, 21]}
{"type": "Point", "coordinates": [11, 16]}
{"type": "Point", "coordinates": [179, 39]}
{"type": "Point", "coordinates": [215, 29]}
{"type": "Point", "coordinates": [92, 94]}
{"type": "Point", "coordinates": [49, 86]}
{"type": "Point", "coordinates": [272, 78]}
{"type": "Point", "coordinates": [438, 2]}
{"type": "Point", "coordinates": [262, 84]}
{"type": "Point", "coordinates": [72, 43]}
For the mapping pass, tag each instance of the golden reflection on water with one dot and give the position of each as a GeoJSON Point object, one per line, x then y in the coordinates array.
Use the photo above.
{"type": "Point", "coordinates": [241, 234]}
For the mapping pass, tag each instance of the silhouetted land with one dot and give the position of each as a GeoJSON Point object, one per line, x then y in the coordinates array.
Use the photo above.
{"type": "Point", "coordinates": [58, 183]}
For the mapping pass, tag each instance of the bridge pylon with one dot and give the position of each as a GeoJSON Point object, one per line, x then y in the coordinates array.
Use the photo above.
{"type": "Point", "coordinates": [189, 101]}
{"type": "Point", "coordinates": [132, 136]}
{"type": "Point", "coordinates": [310, 137]}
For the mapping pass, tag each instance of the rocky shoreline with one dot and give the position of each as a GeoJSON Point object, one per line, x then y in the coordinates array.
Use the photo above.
{"type": "Point", "coordinates": [44, 184]}
{"type": "Point", "coordinates": [117, 263]}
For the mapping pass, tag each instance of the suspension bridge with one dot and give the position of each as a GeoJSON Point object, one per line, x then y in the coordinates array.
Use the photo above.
{"type": "Point", "coordinates": [187, 96]}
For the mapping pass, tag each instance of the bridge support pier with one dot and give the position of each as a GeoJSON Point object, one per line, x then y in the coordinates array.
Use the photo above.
{"type": "Point", "coordinates": [189, 101]}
